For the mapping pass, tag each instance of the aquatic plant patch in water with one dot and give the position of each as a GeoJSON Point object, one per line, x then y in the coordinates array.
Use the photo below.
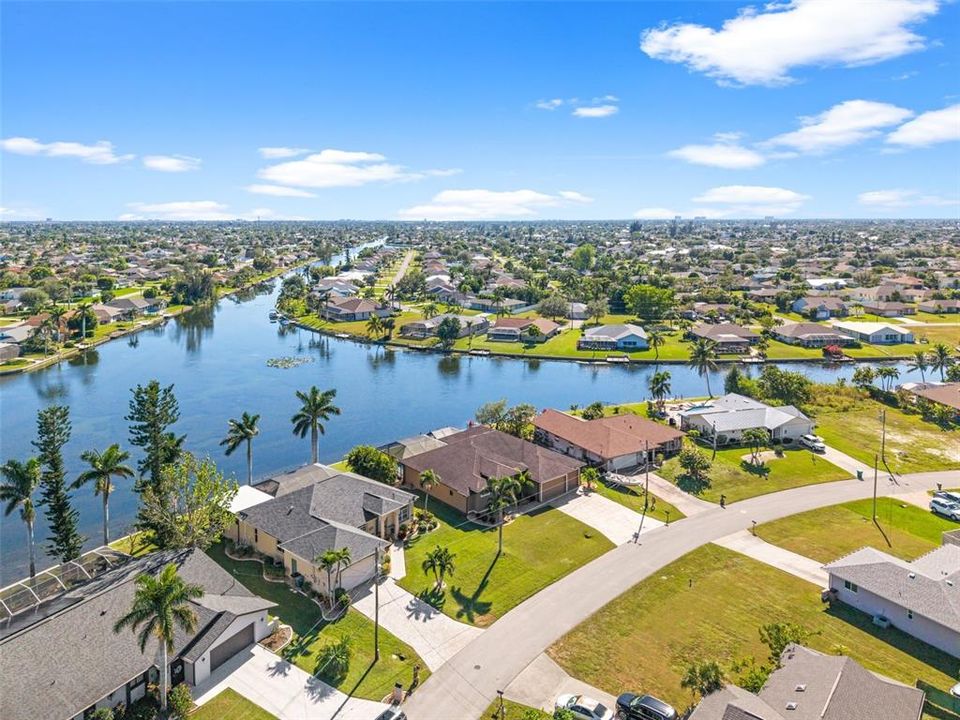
{"type": "Point", "coordinates": [286, 363]}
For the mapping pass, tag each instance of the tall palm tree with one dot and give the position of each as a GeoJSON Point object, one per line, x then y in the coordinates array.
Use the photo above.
{"type": "Point", "coordinates": [56, 313]}
{"type": "Point", "coordinates": [315, 406]}
{"type": "Point", "coordinates": [428, 480]}
{"type": "Point", "coordinates": [240, 431]}
{"type": "Point", "coordinates": [703, 357]}
{"type": "Point", "coordinates": [161, 604]}
{"type": "Point", "coordinates": [22, 478]}
{"type": "Point", "coordinates": [83, 308]}
{"type": "Point", "coordinates": [439, 561]}
{"type": "Point", "coordinates": [656, 340]}
{"type": "Point", "coordinates": [503, 493]}
{"type": "Point", "coordinates": [940, 358]}
{"type": "Point", "coordinates": [659, 386]}
{"type": "Point", "coordinates": [328, 562]}
{"type": "Point", "coordinates": [103, 467]}
{"type": "Point", "coordinates": [375, 326]}
{"type": "Point", "coordinates": [343, 561]}
{"type": "Point", "coordinates": [430, 310]}
{"type": "Point", "coordinates": [389, 324]}
{"type": "Point", "coordinates": [919, 362]}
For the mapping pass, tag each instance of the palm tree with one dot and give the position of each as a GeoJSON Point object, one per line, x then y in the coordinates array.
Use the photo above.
{"type": "Point", "coordinates": [83, 308]}
{"type": "Point", "coordinates": [103, 467]}
{"type": "Point", "coordinates": [328, 562]}
{"type": "Point", "coordinates": [428, 480]}
{"type": "Point", "coordinates": [503, 493]}
{"type": "Point", "coordinates": [919, 362]}
{"type": "Point", "coordinates": [22, 478]}
{"type": "Point", "coordinates": [315, 406]}
{"type": "Point", "coordinates": [240, 431]}
{"type": "Point", "coordinates": [659, 386]}
{"type": "Point", "coordinates": [440, 562]}
{"type": "Point", "coordinates": [940, 358]}
{"type": "Point", "coordinates": [389, 324]}
{"type": "Point", "coordinates": [56, 313]}
{"type": "Point", "coordinates": [375, 326]}
{"type": "Point", "coordinates": [703, 357]}
{"type": "Point", "coordinates": [430, 310]}
{"type": "Point", "coordinates": [161, 604]}
{"type": "Point", "coordinates": [343, 561]}
{"type": "Point", "coordinates": [656, 340]}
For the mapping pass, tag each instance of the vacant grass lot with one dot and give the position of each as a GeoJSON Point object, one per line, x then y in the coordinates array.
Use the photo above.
{"type": "Point", "coordinates": [538, 549]}
{"type": "Point", "coordinates": [230, 704]}
{"type": "Point", "coordinates": [933, 334]}
{"type": "Point", "coordinates": [708, 605]}
{"type": "Point", "coordinates": [904, 530]}
{"type": "Point", "coordinates": [924, 317]}
{"type": "Point", "coordinates": [736, 479]}
{"type": "Point", "coordinates": [632, 497]}
{"type": "Point", "coordinates": [311, 634]}
{"type": "Point", "coordinates": [852, 425]}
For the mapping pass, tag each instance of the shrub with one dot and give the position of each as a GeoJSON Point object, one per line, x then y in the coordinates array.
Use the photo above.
{"type": "Point", "coordinates": [102, 714]}
{"type": "Point", "coordinates": [342, 598]}
{"type": "Point", "coordinates": [180, 701]}
{"type": "Point", "coordinates": [142, 709]}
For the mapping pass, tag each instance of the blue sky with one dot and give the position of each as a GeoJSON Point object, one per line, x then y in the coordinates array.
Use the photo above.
{"type": "Point", "coordinates": [480, 111]}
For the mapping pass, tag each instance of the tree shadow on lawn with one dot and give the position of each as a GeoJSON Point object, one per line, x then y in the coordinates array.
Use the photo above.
{"type": "Point", "coordinates": [897, 639]}
{"type": "Point", "coordinates": [760, 469]}
{"type": "Point", "coordinates": [692, 485]}
{"type": "Point", "coordinates": [473, 607]}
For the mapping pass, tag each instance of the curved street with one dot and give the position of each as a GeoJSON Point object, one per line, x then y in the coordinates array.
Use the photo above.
{"type": "Point", "coordinates": [466, 685]}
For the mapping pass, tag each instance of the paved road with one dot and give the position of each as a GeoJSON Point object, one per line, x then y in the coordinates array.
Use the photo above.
{"type": "Point", "coordinates": [469, 681]}
{"type": "Point", "coordinates": [398, 275]}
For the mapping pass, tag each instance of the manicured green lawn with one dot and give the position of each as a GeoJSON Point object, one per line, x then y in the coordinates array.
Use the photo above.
{"type": "Point", "coordinates": [230, 704]}
{"type": "Point", "coordinates": [564, 345]}
{"type": "Point", "coordinates": [136, 544]}
{"type": "Point", "coordinates": [924, 317]}
{"type": "Point", "coordinates": [912, 445]}
{"type": "Point", "coordinates": [632, 497]}
{"type": "Point", "coordinates": [906, 531]}
{"type": "Point", "coordinates": [538, 549]}
{"type": "Point", "coordinates": [731, 476]}
{"type": "Point", "coordinates": [949, 334]}
{"type": "Point", "coordinates": [364, 678]}
{"type": "Point", "coordinates": [708, 605]}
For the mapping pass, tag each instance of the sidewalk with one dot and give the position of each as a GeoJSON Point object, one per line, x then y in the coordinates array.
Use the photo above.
{"type": "Point", "coordinates": [845, 462]}
{"type": "Point", "coordinates": [617, 522]}
{"type": "Point", "coordinates": [283, 689]}
{"type": "Point", "coordinates": [684, 502]}
{"type": "Point", "coordinates": [745, 543]}
{"type": "Point", "coordinates": [435, 636]}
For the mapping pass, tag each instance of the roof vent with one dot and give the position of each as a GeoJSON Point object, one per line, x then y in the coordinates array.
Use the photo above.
{"type": "Point", "coordinates": [289, 509]}
{"type": "Point", "coordinates": [949, 582]}
{"type": "Point", "coordinates": [801, 688]}
{"type": "Point", "coordinates": [791, 706]}
{"type": "Point", "coordinates": [912, 576]}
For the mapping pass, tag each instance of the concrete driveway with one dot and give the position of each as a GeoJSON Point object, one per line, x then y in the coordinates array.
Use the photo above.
{"type": "Point", "coordinates": [615, 521]}
{"type": "Point", "coordinates": [745, 543]}
{"type": "Point", "coordinates": [845, 462]}
{"type": "Point", "coordinates": [542, 681]}
{"type": "Point", "coordinates": [283, 689]}
{"type": "Point", "coordinates": [435, 636]}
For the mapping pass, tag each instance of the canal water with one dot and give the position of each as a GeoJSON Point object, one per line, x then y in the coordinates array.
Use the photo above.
{"type": "Point", "coordinates": [216, 358]}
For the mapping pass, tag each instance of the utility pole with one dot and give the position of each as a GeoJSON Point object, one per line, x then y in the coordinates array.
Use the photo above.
{"type": "Point", "coordinates": [646, 486]}
{"type": "Point", "coordinates": [883, 435]}
{"type": "Point", "coordinates": [876, 463]}
{"type": "Point", "coordinates": [376, 606]}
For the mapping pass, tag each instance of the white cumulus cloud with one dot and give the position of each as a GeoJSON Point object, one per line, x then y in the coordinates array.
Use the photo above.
{"type": "Point", "coordinates": [276, 153]}
{"type": "Point", "coordinates": [596, 111]}
{"type": "Point", "coordinates": [846, 123]}
{"type": "Point", "coordinates": [929, 128]}
{"type": "Point", "coordinates": [722, 154]}
{"type": "Point", "coordinates": [897, 199]}
{"type": "Point", "coordinates": [341, 168]}
{"type": "Point", "coordinates": [761, 47]}
{"type": "Point", "coordinates": [488, 204]}
{"type": "Point", "coordinates": [279, 191]}
{"type": "Point", "coordinates": [750, 200]}
{"type": "Point", "coordinates": [99, 153]}
{"type": "Point", "coordinates": [171, 163]}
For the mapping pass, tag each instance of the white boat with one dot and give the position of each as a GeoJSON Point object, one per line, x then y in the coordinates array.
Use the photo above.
{"type": "Point", "coordinates": [617, 359]}
{"type": "Point", "coordinates": [752, 360]}
{"type": "Point", "coordinates": [480, 351]}
{"type": "Point", "coordinates": [342, 336]}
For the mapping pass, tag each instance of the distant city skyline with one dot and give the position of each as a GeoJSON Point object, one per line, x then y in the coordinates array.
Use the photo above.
{"type": "Point", "coordinates": [480, 111]}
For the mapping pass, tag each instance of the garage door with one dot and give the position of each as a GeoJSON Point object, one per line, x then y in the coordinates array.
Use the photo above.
{"type": "Point", "coordinates": [230, 647]}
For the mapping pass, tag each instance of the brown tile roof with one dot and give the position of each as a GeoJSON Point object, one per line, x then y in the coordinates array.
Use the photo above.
{"type": "Point", "coordinates": [946, 394]}
{"type": "Point", "coordinates": [472, 456]}
{"type": "Point", "coordinates": [607, 437]}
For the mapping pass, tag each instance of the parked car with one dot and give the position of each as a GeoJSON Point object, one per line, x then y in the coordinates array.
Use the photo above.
{"type": "Point", "coordinates": [631, 706]}
{"type": "Point", "coordinates": [955, 690]}
{"type": "Point", "coordinates": [948, 495]}
{"type": "Point", "coordinates": [584, 708]}
{"type": "Point", "coordinates": [812, 442]}
{"type": "Point", "coordinates": [946, 508]}
{"type": "Point", "coordinates": [392, 713]}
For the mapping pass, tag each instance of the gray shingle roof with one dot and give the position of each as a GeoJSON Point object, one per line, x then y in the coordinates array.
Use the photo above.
{"type": "Point", "coordinates": [64, 662]}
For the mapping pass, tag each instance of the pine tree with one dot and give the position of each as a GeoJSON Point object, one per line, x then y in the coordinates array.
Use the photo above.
{"type": "Point", "coordinates": [53, 432]}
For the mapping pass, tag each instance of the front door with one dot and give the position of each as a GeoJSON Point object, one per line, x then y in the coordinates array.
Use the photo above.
{"type": "Point", "coordinates": [293, 566]}
{"type": "Point", "coordinates": [176, 672]}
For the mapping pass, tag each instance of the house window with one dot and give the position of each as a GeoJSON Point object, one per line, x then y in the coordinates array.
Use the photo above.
{"type": "Point", "coordinates": [909, 614]}
{"type": "Point", "coordinates": [852, 587]}
{"type": "Point", "coordinates": [256, 535]}
{"type": "Point", "coordinates": [404, 513]}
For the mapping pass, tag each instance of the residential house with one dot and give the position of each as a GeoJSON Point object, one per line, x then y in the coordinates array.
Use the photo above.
{"type": "Point", "coordinates": [820, 308]}
{"type": "Point", "coordinates": [9, 351]}
{"type": "Point", "coordinates": [318, 508]}
{"type": "Point", "coordinates": [349, 309]}
{"type": "Point", "coordinates": [477, 454]}
{"type": "Point", "coordinates": [810, 685]}
{"type": "Point", "coordinates": [811, 335]}
{"type": "Point", "coordinates": [107, 314]}
{"type": "Point", "coordinates": [132, 307]}
{"type": "Point", "coordinates": [508, 306]}
{"type": "Point", "coordinates": [875, 333]}
{"type": "Point", "coordinates": [334, 287]}
{"type": "Point", "coordinates": [401, 449]}
{"type": "Point", "coordinates": [728, 417]}
{"type": "Point", "coordinates": [729, 338]}
{"type": "Point", "coordinates": [614, 337]}
{"type": "Point", "coordinates": [920, 598]}
{"type": "Point", "coordinates": [518, 329]}
{"type": "Point", "coordinates": [16, 334]}
{"type": "Point", "coordinates": [469, 325]}
{"type": "Point", "coordinates": [577, 311]}
{"type": "Point", "coordinates": [888, 308]}
{"type": "Point", "coordinates": [940, 306]}
{"type": "Point", "coordinates": [827, 283]}
{"type": "Point", "coordinates": [946, 394]}
{"type": "Point", "coordinates": [61, 659]}
{"type": "Point", "coordinates": [613, 443]}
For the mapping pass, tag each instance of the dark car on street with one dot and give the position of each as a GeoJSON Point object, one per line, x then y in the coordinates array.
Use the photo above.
{"type": "Point", "coordinates": [643, 707]}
